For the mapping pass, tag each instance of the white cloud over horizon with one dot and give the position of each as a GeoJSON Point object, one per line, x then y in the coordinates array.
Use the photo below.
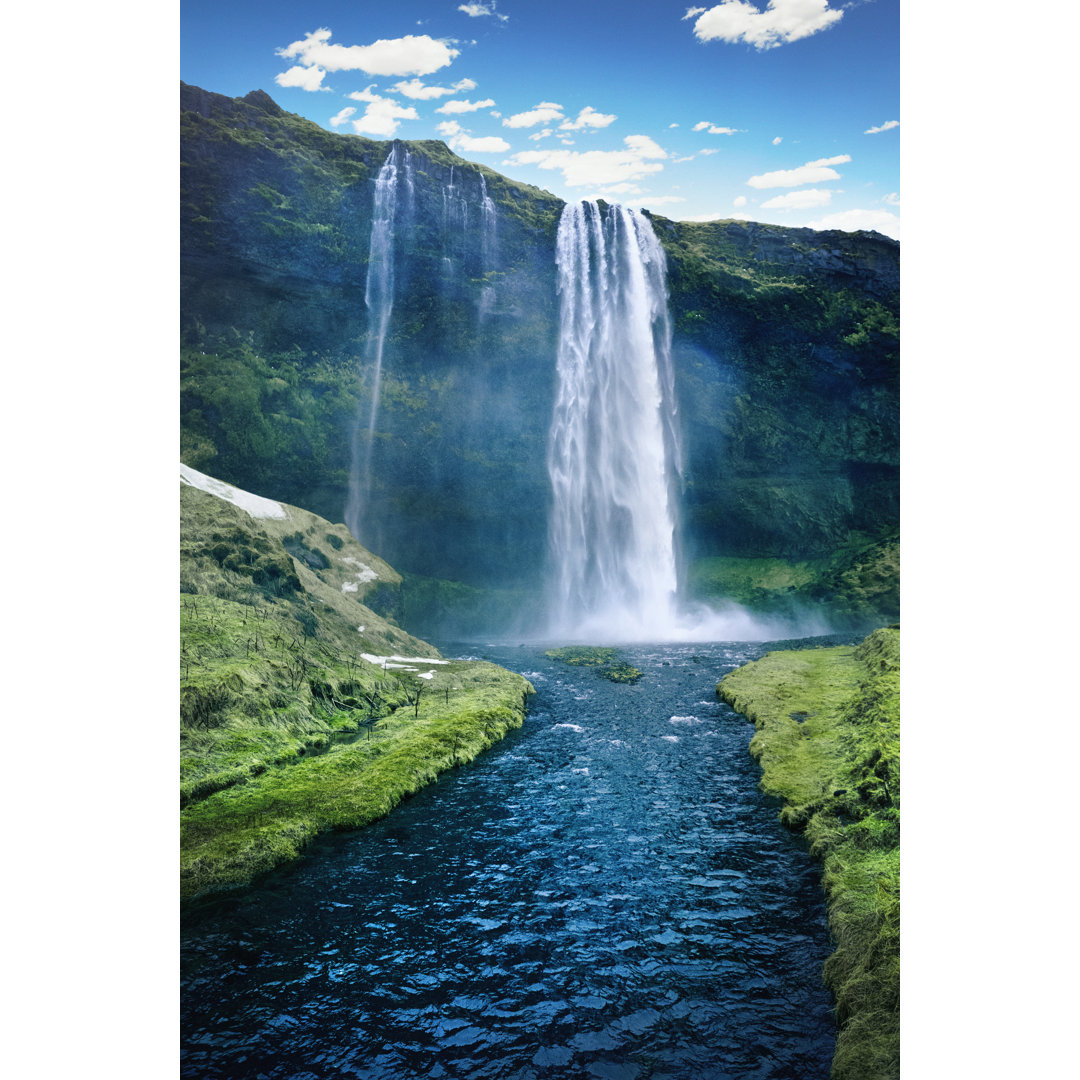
{"type": "Point", "coordinates": [408, 55]}
{"type": "Point", "coordinates": [588, 118]}
{"type": "Point", "coordinates": [812, 172]}
{"type": "Point", "coordinates": [807, 199]}
{"type": "Point", "coordinates": [304, 78]}
{"type": "Point", "coordinates": [458, 138]}
{"type": "Point", "coordinates": [544, 113]}
{"type": "Point", "coordinates": [852, 220]}
{"type": "Point", "coordinates": [419, 91]}
{"type": "Point", "coordinates": [782, 21]}
{"type": "Point", "coordinates": [476, 11]}
{"type": "Point", "coordinates": [598, 168]}
{"type": "Point", "coordinates": [454, 107]}
{"type": "Point", "coordinates": [382, 116]}
{"type": "Point", "coordinates": [713, 129]}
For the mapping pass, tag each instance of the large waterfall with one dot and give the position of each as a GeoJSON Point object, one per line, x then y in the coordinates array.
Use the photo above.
{"type": "Point", "coordinates": [613, 454]}
{"type": "Point", "coordinates": [379, 299]}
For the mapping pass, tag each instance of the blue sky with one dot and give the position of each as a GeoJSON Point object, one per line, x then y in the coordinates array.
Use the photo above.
{"type": "Point", "coordinates": [786, 112]}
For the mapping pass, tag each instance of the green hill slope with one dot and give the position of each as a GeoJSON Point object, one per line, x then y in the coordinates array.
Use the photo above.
{"type": "Point", "coordinates": [303, 706]}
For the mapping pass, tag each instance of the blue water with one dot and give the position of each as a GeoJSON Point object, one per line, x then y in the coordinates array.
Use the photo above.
{"type": "Point", "coordinates": [605, 894]}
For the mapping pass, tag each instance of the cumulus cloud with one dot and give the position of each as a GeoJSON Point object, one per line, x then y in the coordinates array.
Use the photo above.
{"type": "Point", "coordinates": [813, 172]}
{"type": "Point", "coordinates": [544, 113]}
{"type": "Point", "coordinates": [850, 220]}
{"type": "Point", "coordinates": [475, 11]}
{"type": "Point", "coordinates": [383, 115]}
{"type": "Point", "coordinates": [336, 121]}
{"type": "Point", "coordinates": [778, 140]}
{"type": "Point", "coordinates": [538, 135]}
{"type": "Point", "coordinates": [807, 199]}
{"type": "Point", "coordinates": [712, 129]}
{"type": "Point", "coordinates": [306, 78]}
{"type": "Point", "coordinates": [418, 91]}
{"type": "Point", "coordinates": [740, 200]}
{"type": "Point", "coordinates": [781, 21]}
{"type": "Point", "coordinates": [598, 167]}
{"type": "Point", "coordinates": [452, 107]}
{"type": "Point", "coordinates": [887, 126]}
{"type": "Point", "coordinates": [457, 138]}
{"type": "Point", "coordinates": [588, 118]}
{"type": "Point", "coordinates": [409, 55]}
{"type": "Point", "coordinates": [893, 198]}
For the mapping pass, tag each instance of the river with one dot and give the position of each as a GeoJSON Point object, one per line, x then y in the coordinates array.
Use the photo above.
{"type": "Point", "coordinates": [604, 894]}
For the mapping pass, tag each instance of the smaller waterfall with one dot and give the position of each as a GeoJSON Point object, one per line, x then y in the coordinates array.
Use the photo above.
{"type": "Point", "coordinates": [613, 454]}
{"type": "Point", "coordinates": [379, 300]}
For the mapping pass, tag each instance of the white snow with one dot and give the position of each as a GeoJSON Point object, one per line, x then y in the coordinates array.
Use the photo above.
{"type": "Point", "coordinates": [426, 675]}
{"type": "Point", "coordinates": [366, 573]}
{"type": "Point", "coordinates": [401, 661]}
{"type": "Point", "coordinates": [350, 586]}
{"type": "Point", "coordinates": [255, 505]}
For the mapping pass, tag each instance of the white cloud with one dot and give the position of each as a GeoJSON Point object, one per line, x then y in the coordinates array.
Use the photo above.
{"type": "Point", "coordinates": [887, 126]}
{"type": "Point", "coordinates": [544, 113]}
{"type": "Point", "coordinates": [740, 200]}
{"type": "Point", "coordinates": [708, 125]}
{"type": "Point", "coordinates": [807, 199]}
{"type": "Point", "coordinates": [893, 198]}
{"type": "Point", "coordinates": [673, 125]}
{"type": "Point", "coordinates": [812, 172]}
{"type": "Point", "coordinates": [476, 10]}
{"type": "Point", "coordinates": [710, 150]}
{"type": "Point", "coordinates": [342, 116]}
{"type": "Point", "coordinates": [418, 91]}
{"type": "Point", "coordinates": [457, 138]}
{"type": "Point", "coordinates": [598, 167]}
{"type": "Point", "coordinates": [409, 55]}
{"type": "Point", "coordinates": [781, 21]}
{"type": "Point", "coordinates": [850, 220]}
{"type": "Point", "coordinates": [680, 160]}
{"type": "Point", "coordinates": [538, 135]}
{"type": "Point", "coordinates": [588, 118]}
{"type": "Point", "coordinates": [454, 107]}
{"type": "Point", "coordinates": [306, 78]}
{"type": "Point", "coordinates": [778, 140]}
{"type": "Point", "coordinates": [383, 115]}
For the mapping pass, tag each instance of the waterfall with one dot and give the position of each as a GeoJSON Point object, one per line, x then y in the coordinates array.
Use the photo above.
{"type": "Point", "coordinates": [613, 451]}
{"type": "Point", "coordinates": [379, 300]}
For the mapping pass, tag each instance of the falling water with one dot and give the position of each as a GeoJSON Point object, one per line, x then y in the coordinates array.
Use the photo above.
{"type": "Point", "coordinates": [379, 299]}
{"type": "Point", "coordinates": [613, 453]}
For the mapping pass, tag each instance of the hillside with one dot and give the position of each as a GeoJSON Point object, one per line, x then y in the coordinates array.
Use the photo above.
{"type": "Point", "coordinates": [785, 352]}
{"type": "Point", "coordinates": [303, 706]}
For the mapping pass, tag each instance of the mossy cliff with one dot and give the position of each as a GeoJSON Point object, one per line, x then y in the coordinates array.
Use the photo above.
{"type": "Point", "coordinates": [785, 349]}
{"type": "Point", "coordinates": [828, 735]}
{"type": "Point", "coordinates": [303, 706]}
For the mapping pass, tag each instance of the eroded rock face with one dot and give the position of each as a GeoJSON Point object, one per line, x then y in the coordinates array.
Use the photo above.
{"type": "Point", "coordinates": [785, 349]}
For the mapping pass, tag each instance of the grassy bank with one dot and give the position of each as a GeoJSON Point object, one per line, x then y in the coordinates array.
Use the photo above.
{"type": "Point", "coordinates": [828, 734]}
{"type": "Point", "coordinates": [303, 706]}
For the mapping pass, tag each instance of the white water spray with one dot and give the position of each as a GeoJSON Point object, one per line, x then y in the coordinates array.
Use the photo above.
{"type": "Point", "coordinates": [379, 300]}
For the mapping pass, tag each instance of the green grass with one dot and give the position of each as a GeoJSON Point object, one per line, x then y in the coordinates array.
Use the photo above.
{"type": "Point", "coordinates": [604, 661]}
{"type": "Point", "coordinates": [285, 730]}
{"type": "Point", "coordinates": [827, 739]}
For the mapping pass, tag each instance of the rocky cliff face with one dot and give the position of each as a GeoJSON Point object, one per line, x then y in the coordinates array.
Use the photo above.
{"type": "Point", "coordinates": [786, 352]}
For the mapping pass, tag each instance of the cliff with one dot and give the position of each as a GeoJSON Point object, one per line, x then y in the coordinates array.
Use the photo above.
{"type": "Point", "coordinates": [785, 350]}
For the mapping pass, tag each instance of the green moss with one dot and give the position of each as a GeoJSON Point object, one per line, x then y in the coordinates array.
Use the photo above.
{"type": "Point", "coordinates": [827, 738]}
{"type": "Point", "coordinates": [604, 661]}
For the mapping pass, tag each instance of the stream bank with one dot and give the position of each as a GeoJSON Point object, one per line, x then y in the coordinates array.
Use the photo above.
{"type": "Point", "coordinates": [827, 740]}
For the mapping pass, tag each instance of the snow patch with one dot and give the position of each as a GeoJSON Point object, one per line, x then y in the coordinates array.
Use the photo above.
{"type": "Point", "coordinates": [255, 505]}
{"type": "Point", "coordinates": [350, 586]}
{"type": "Point", "coordinates": [400, 661]}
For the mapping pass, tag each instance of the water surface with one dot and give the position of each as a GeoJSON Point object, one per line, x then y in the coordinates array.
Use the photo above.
{"type": "Point", "coordinates": [605, 894]}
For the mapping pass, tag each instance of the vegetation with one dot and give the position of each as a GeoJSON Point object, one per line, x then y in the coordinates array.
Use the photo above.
{"type": "Point", "coordinates": [605, 662]}
{"type": "Point", "coordinates": [286, 730]}
{"type": "Point", "coordinates": [859, 584]}
{"type": "Point", "coordinates": [828, 734]}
